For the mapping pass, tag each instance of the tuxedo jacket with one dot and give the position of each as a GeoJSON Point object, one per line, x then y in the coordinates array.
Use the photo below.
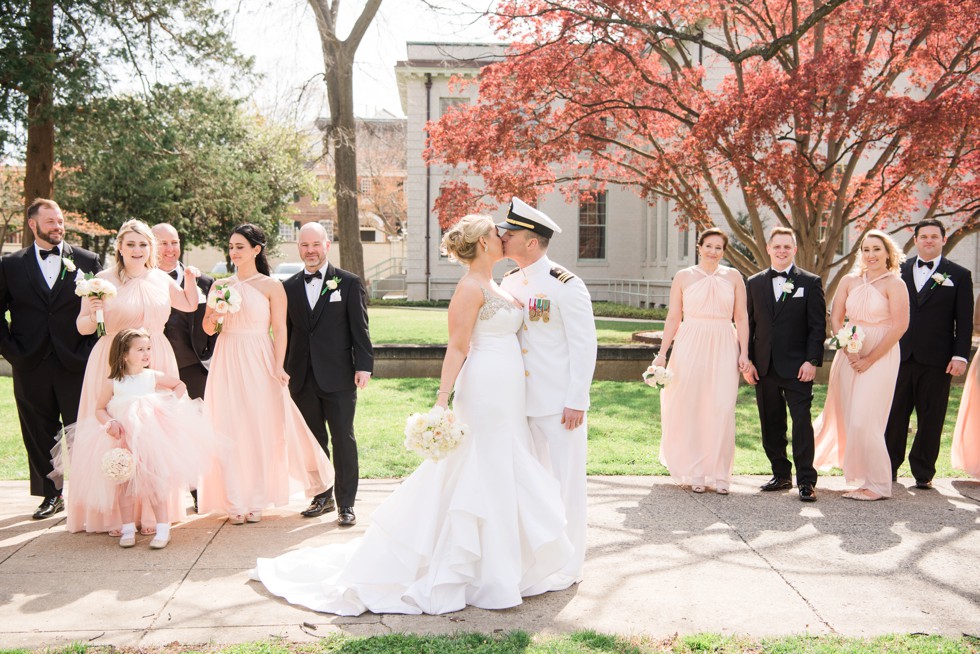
{"type": "Point", "coordinates": [940, 317]}
{"type": "Point", "coordinates": [184, 330]}
{"type": "Point", "coordinates": [42, 320]}
{"type": "Point", "coordinates": [785, 333]}
{"type": "Point", "coordinates": [332, 338]}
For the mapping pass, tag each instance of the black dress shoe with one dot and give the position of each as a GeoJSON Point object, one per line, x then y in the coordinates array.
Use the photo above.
{"type": "Point", "coordinates": [806, 493]}
{"type": "Point", "coordinates": [924, 485]}
{"type": "Point", "coordinates": [345, 517]}
{"type": "Point", "coordinates": [319, 506]}
{"type": "Point", "coordinates": [777, 484]}
{"type": "Point", "coordinates": [49, 507]}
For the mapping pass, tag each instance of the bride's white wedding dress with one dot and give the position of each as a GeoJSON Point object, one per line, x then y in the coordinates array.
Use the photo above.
{"type": "Point", "coordinates": [482, 527]}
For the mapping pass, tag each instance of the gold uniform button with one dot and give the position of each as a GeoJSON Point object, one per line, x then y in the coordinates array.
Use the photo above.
{"type": "Point", "coordinates": [527, 373]}
{"type": "Point", "coordinates": [525, 327]}
{"type": "Point", "coordinates": [523, 351]}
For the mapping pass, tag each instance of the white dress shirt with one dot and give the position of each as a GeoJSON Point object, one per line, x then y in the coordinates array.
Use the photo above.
{"type": "Point", "coordinates": [921, 274]}
{"type": "Point", "coordinates": [50, 267]}
{"type": "Point", "coordinates": [777, 282]}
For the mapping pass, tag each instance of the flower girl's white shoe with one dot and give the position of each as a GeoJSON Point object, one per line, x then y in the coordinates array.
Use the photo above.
{"type": "Point", "coordinates": [159, 542]}
{"type": "Point", "coordinates": [127, 540]}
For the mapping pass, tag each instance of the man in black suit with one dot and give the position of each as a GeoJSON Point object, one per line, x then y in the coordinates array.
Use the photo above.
{"type": "Point", "coordinates": [192, 346]}
{"type": "Point", "coordinates": [934, 349]}
{"type": "Point", "coordinates": [787, 325]}
{"type": "Point", "coordinates": [328, 357]}
{"type": "Point", "coordinates": [41, 342]}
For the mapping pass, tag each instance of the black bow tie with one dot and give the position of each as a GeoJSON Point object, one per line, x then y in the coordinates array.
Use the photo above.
{"type": "Point", "coordinates": [773, 274]}
{"type": "Point", "coordinates": [47, 253]}
{"type": "Point", "coordinates": [173, 273]}
{"type": "Point", "coordinates": [925, 264]}
{"type": "Point", "coordinates": [309, 277]}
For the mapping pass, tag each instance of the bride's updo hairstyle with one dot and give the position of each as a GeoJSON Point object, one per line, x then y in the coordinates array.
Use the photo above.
{"type": "Point", "coordinates": [462, 240]}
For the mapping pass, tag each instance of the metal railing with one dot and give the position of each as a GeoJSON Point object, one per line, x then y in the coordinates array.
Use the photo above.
{"type": "Point", "coordinates": [379, 277]}
{"type": "Point", "coordinates": [648, 293]}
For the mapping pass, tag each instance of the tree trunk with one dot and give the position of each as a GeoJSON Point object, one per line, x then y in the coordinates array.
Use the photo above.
{"type": "Point", "coordinates": [342, 135]}
{"type": "Point", "coordinates": [39, 176]}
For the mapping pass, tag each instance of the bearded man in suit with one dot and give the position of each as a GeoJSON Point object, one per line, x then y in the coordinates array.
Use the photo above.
{"type": "Point", "coordinates": [328, 358]}
{"type": "Point", "coordinates": [41, 342]}
{"type": "Point", "coordinates": [934, 349]}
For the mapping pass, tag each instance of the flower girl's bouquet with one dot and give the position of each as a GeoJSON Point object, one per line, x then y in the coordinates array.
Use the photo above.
{"type": "Point", "coordinates": [92, 286]}
{"type": "Point", "coordinates": [224, 299]}
{"type": "Point", "coordinates": [118, 465]}
{"type": "Point", "coordinates": [435, 434]}
{"type": "Point", "coordinates": [850, 338]}
{"type": "Point", "coordinates": [657, 376]}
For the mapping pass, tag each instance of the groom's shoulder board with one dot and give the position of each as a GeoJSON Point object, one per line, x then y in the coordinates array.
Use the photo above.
{"type": "Point", "coordinates": [511, 271]}
{"type": "Point", "coordinates": [561, 274]}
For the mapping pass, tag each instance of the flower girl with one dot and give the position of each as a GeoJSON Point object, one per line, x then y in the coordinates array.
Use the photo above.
{"type": "Point", "coordinates": [146, 441]}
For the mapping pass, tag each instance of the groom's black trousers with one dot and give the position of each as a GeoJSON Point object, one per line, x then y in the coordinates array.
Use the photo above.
{"type": "Point", "coordinates": [336, 411]}
{"type": "Point", "coordinates": [774, 394]}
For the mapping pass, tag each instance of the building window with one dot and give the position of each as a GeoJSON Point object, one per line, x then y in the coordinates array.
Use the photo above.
{"type": "Point", "coordinates": [664, 230]}
{"type": "Point", "coordinates": [592, 228]}
{"type": "Point", "coordinates": [684, 241]}
{"type": "Point", "coordinates": [446, 103]}
{"type": "Point", "coordinates": [328, 226]}
{"type": "Point", "coordinates": [369, 236]}
{"type": "Point", "coordinates": [288, 231]}
{"type": "Point", "coordinates": [365, 185]}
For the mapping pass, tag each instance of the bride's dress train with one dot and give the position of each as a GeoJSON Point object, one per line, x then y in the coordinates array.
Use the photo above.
{"type": "Point", "coordinates": [482, 527]}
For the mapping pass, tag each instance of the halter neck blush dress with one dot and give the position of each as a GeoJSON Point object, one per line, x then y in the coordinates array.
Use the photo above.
{"type": "Point", "coordinates": [850, 433]}
{"type": "Point", "coordinates": [261, 439]}
{"type": "Point", "coordinates": [965, 454]}
{"type": "Point", "coordinates": [140, 302]}
{"type": "Point", "coordinates": [697, 407]}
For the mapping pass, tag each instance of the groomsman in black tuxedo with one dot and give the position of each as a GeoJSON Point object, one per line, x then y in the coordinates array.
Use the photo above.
{"type": "Point", "coordinates": [934, 350]}
{"type": "Point", "coordinates": [192, 346]}
{"type": "Point", "coordinates": [328, 358]}
{"type": "Point", "coordinates": [45, 350]}
{"type": "Point", "coordinates": [787, 325]}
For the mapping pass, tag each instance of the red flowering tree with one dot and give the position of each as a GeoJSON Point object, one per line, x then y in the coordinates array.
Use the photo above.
{"type": "Point", "coordinates": [821, 116]}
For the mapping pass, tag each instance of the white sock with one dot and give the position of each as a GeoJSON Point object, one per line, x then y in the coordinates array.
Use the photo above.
{"type": "Point", "coordinates": [163, 530]}
{"type": "Point", "coordinates": [128, 529]}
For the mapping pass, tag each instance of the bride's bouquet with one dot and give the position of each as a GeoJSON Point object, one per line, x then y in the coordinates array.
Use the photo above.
{"type": "Point", "coordinates": [435, 434]}
{"type": "Point", "coordinates": [92, 286]}
{"type": "Point", "coordinates": [657, 376]}
{"type": "Point", "coordinates": [118, 465]}
{"type": "Point", "coordinates": [224, 299]}
{"type": "Point", "coordinates": [850, 338]}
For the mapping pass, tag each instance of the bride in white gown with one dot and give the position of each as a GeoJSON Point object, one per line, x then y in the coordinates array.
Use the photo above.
{"type": "Point", "coordinates": [482, 527]}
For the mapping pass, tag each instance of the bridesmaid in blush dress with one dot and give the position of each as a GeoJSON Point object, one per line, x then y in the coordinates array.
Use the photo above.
{"type": "Point", "coordinates": [144, 296]}
{"type": "Point", "coordinates": [261, 438]}
{"type": "Point", "coordinates": [697, 407]}
{"type": "Point", "coordinates": [850, 433]}
{"type": "Point", "coordinates": [966, 437]}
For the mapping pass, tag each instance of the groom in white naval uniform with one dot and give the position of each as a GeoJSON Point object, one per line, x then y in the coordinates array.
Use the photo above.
{"type": "Point", "coordinates": [558, 341]}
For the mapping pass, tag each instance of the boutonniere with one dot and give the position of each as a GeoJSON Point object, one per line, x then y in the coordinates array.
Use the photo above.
{"type": "Point", "coordinates": [67, 265]}
{"type": "Point", "coordinates": [788, 287]}
{"type": "Point", "coordinates": [330, 284]}
{"type": "Point", "coordinates": [938, 279]}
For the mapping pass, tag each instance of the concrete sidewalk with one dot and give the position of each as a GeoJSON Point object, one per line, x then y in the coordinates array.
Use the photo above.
{"type": "Point", "coordinates": [661, 560]}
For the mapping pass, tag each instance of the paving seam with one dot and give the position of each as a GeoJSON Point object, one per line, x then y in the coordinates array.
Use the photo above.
{"type": "Point", "coordinates": [771, 566]}
{"type": "Point", "coordinates": [163, 608]}
{"type": "Point", "coordinates": [32, 539]}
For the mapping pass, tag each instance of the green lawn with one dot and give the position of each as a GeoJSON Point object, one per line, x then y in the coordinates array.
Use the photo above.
{"type": "Point", "coordinates": [395, 325]}
{"type": "Point", "coordinates": [624, 429]}
{"type": "Point", "coordinates": [582, 642]}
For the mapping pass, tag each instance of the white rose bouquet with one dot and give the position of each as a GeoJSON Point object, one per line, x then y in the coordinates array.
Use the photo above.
{"type": "Point", "coordinates": [850, 338]}
{"type": "Point", "coordinates": [118, 465]}
{"type": "Point", "coordinates": [224, 299]}
{"type": "Point", "coordinates": [435, 434]}
{"type": "Point", "coordinates": [91, 286]}
{"type": "Point", "coordinates": [657, 376]}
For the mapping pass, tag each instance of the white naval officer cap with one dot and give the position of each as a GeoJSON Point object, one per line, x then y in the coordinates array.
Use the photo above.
{"type": "Point", "coordinates": [523, 216]}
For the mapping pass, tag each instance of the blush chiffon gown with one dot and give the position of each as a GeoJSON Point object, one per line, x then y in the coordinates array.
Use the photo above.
{"type": "Point", "coordinates": [264, 450]}
{"type": "Point", "coordinates": [850, 433]}
{"type": "Point", "coordinates": [965, 454]}
{"type": "Point", "coordinates": [140, 302]}
{"type": "Point", "coordinates": [484, 526]}
{"type": "Point", "coordinates": [697, 407]}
